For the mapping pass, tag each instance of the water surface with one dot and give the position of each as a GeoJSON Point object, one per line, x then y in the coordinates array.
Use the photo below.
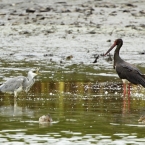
{"type": "Point", "coordinates": [83, 112]}
{"type": "Point", "coordinates": [85, 99]}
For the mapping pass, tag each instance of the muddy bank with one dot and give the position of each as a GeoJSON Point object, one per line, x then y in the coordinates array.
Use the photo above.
{"type": "Point", "coordinates": [77, 13]}
{"type": "Point", "coordinates": [58, 34]}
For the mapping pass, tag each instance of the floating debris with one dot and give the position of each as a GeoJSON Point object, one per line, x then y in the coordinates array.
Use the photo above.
{"type": "Point", "coordinates": [96, 58]}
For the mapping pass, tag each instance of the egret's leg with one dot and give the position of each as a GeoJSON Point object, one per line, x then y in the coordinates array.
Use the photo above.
{"type": "Point", "coordinates": [15, 94]}
{"type": "Point", "coordinates": [15, 102]}
{"type": "Point", "coordinates": [15, 105]}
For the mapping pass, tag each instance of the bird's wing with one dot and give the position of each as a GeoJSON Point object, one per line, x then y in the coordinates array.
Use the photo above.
{"type": "Point", "coordinates": [12, 84]}
{"type": "Point", "coordinates": [131, 73]}
{"type": "Point", "coordinates": [131, 68]}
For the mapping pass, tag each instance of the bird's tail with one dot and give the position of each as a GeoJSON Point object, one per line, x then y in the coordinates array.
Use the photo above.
{"type": "Point", "coordinates": [142, 80]}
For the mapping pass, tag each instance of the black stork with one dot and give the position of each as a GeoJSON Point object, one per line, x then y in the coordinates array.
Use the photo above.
{"type": "Point", "coordinates": [125, 70]}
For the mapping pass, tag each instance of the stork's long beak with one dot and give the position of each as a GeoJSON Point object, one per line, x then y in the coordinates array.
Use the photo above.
{"type": "Point", "coordinates": [110, 48]}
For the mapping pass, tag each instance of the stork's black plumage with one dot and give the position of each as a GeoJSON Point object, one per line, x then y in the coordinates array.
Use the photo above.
{"type": "Point", "coordinates": [124, 69]}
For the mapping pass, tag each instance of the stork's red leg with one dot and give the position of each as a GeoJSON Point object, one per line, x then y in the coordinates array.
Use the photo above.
{"type": "Point", "coordinates": [129, 89]}
{"type": "Point", "coordinates": [128, 97]}
{"type": "Point", "coordinates": [124, 89]}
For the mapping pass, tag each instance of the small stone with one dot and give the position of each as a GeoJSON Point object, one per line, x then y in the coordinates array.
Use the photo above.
{"type": "Point", "coordinates": [109, 40]}
{"type": "Point", "coordinates": [126, 11]}
{"type": "Point", "coordinates": [45, 9]}
{"type": "Point", "coordinates": [69, 57]}
{"type": "Point", "coordinates": [142, 12]}
{"type": "Point", "coordinates": [23, 14]}
{"type": "Point", "coordinates": [88, 12]}
{"type": "Point", "coordinates": [30, 10]}
{"type": "Point", "coordinates": [142, 25]}
{"type": "Point", "coordinates": [143, 52]}
{"type": "Point", "coordinates": [130, 5]}
{"type": "Point", "coordinates": [92, 32]}
{"type": "Point", "coordinates": [65, 11]}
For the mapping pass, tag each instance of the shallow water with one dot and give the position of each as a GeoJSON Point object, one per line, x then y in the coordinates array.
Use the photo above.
{"type": "Point", "coordinates": [82, 111]}
{"type": "Point", "coordinates": [85, 99]}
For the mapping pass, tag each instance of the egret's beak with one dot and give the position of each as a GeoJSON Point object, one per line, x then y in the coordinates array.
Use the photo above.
{"type": "Point", "coordinates": [110, 48]}
{"type": "Point", "coordinates": [37, 71]}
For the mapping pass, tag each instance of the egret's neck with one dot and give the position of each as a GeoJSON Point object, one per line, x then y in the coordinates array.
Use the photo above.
{"type": "Point", "coordinates": [30, 76]}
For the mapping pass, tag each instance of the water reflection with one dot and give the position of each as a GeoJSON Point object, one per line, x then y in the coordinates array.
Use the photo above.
{"type": "Point", "coordinates": [82, 112]}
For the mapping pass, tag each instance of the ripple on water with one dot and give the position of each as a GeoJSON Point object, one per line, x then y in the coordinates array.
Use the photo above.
{"type": "Point", "coordinates": [53, 138]}
{"type": "Point", "coordinates": [2, 139]}
{"type": "Point", "coordinates": [77, 133]}
{"type": "Point", "coordinates": [17, 130]}
{"type": "Point", "coordinates": [121, 134]}
{"type": "Point", "coordinates": [137, 125]}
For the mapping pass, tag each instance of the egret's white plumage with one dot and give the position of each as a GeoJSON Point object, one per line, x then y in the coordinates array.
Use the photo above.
{"type": "Point", "coordinates": [20, 83]}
